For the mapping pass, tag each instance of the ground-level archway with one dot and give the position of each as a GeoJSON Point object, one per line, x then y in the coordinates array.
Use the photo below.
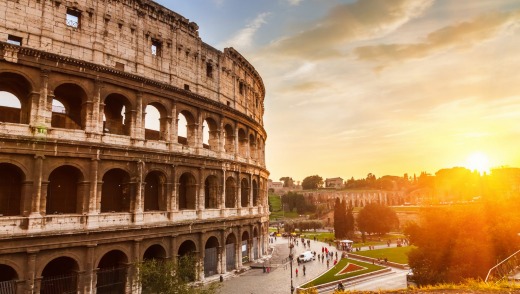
{"type": "Point", "coordinates": [60, 276]}
{"type": "Point", "coordinates": [211, 257]}
{"type": "Point", "coordinates": [112, 273]}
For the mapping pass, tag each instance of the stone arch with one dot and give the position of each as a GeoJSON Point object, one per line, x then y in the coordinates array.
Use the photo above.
{"type": "Point", "coordinates": [244, 192]}
{"type": "Point", "coordinates": [231, 246]}
{"type": "Point", "coordinates": [210, 134]}
{"type": "Point", "coordinates": [187, 191]}
{"type": "Point", "coordinates": [60, 275]}
{"type": "Point", "coordinates": [211, 256]}
{"type": "Point", "coordinates": [155, 191]}
{"type": "Point", "coordinates": [230, 193]}
{"type": "Point", "coordinates": [63, 190]}
{"type": "Point", "coordinates": [255, 192]}
{"type": "Point", "coordinates": [189, 130]}
{"type": "Point", "coordinates": [242, 142]}
{"type": "Point", "coordinates": [69, 112]}
{"type": "Point", "coordinates": [8, 278]}
{"type": "Point", "coordinates": [155, 122]}
{"type": "Point", "coordinates": [186, 254]}
{"type": "Point", "coordinates": [155, 251]}
{"type": "Point", "coordinates": [256, 242]}
{"type": "Point", "coordinates": [245, 247]}
{"type": "Point", "coordinates": [229, 139]}
{"type": "Point", "coordinates": [115, 191]}
{"type": "Point", "coordinates": [118, 114]}
{"type": "Point", "coordinates": [211, 192]}
{"type": "Point", "coordinates": [11, 187]}
{"type": "Point", "coordinates": [112, 272]}
{"type": "Point", "coordinates": [252, 146]}
{"type": "Point", "coordinates": [20, 87]}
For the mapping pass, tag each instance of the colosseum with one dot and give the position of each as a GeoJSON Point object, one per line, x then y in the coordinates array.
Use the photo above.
{"type": "Point", "coordinates": [124, 137]}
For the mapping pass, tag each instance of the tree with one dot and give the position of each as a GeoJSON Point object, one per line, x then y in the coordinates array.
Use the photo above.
{"type": "Point", "coordinates": [312, 182]}
{"type": "Point", "coordinates": [349, 221]}
{"type": "Point", "coordinates": [377, 218]}
{"type": "Point", "coordinates": [166, 276]}
{"type": "Point", "coordinates": [288, 182]}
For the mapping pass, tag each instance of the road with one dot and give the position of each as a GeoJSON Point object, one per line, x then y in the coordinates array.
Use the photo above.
{"type": "Point", "coordinates": [278, 281]}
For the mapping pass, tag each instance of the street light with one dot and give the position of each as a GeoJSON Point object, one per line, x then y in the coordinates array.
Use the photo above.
{"type": "Point", "coordinates": [290, 262]}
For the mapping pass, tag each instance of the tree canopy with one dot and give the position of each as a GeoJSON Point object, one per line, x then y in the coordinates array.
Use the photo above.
{"type": "Point", "coordinates": [375, 218]}
{"type": "Point", "coordinates": [312, 182]}
{"type": "Point", "coordinates": [343, 219]}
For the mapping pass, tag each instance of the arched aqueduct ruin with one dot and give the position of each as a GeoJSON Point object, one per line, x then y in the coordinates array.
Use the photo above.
{"type": "Point", "coordinates": [124, 137]}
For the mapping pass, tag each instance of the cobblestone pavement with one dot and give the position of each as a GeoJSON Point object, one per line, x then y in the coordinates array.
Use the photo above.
{"type": "Point", "coordinates": [278, 281]}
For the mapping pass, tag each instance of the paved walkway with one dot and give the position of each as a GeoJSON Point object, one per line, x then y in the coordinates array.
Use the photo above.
{"type": "Point", "coordinates": [278, 281]}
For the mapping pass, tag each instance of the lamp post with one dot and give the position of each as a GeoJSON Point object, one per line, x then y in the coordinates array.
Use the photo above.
{"type": "Point", "coordinates": [290, 262]}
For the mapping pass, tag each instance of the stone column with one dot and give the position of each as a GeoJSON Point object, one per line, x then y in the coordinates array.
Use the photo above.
{"type": "Point", "coordinates": [200, 205]}
{"type": "Point", "coordinates": [94, 201]}
{"type": "Point", "coordinates": [89, 280]}
{"type": "Point", "coordinates": [139, 195]}
{"type": "Point", "coordinates": [201, 255]}
{"type": "Point", "coordinates": [238, 203]}
{"type": "Point", "coordinates": [37, 188]}
{"type": "Point", "coordinates": [140, 112]}
{"type": "Point", "coordinates": [31, 272]}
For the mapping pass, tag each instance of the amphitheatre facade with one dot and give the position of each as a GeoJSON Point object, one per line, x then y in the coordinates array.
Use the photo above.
{"type": "Point", "coordinates": [129, 139]}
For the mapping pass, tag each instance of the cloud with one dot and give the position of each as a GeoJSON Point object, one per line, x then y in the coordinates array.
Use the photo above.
{"type": "Point", "coordinates": [462, 35]}
{"type": "Point", "coordinates": [346, 22]}
{"type": "Point", "coordinates": [294, 2]}
{"type": "Point", "coordinates": [243, 40]}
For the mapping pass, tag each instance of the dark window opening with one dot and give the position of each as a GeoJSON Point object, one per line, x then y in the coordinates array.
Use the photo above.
{"type": "Point", "coordinates": [156, 48]}
{"type": "Point", "coordinates": [186, 87]}
{"type": "Point", "coordinates": [241, 88]}
{"type": "Point", "coordinates": [120, 66]}
{"type": "Point", "coordinates": [228, 103]}
{"type": "Point", "coordinates": [209, 70]}
{"type": "Point", "coordinates": [73, 18]}
{"type": "Point", "coordinates": [14, 40]}
{"type": "Point", "coordinates": [256, 102]}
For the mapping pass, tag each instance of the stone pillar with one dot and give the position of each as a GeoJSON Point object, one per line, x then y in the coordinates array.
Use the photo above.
{"type": "Point", "coordinates": [37, 188]}
{"type": "Point", "coordinates": [94, 201]}
{"type": "Point", "coordinates": [134, 272]}
{"type": "Point", "coordinates": [140, 113]}
{"type": "Point", "coordinates": [27, 199]}
{"type": "Point", "coordinates": [39, 107]}
{"type": "Point", "coordinates": [43, 198]}
{"type": "Point", "coordinates": [222, 205]}
{"type": "Point", "coordinates": [200, 204]}
{"type": "Point", "coordinates": [174, 128]}
{"type": "Point", "coordinates": [201, 255]}
{"type": "Point", "coordinates": [238, 260]}
{"type": "Point", "coordinates": [222, 251]}
{"type": "Point", "coordinates": [238, 203]}
{"type": "Point", "coordinates": [165, 128]}
{"type": "Point", "coordinates": [31, 272]}
{"type": "Point", "coordinates": [139, 195]}
{"type": "Point", "coordinates": [89, 280]}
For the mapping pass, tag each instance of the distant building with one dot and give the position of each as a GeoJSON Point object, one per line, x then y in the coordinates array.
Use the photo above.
{"type": "Point", "coordinates": [274, 186]}
{"type": "Point", "coordinates": [336, 183]}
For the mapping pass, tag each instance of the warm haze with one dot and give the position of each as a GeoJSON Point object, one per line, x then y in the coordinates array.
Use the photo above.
{"type": "Point", "coordinates": [377, 86]}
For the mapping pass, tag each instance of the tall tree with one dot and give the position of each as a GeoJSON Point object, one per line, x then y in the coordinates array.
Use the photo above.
{"type": "Point", "coordinates": [312, 182]}
{"type": "Point", "coordinates": [337, 218]}
{"type": "Point", "coordinates": [349, 221]}
{"type": "Point", "coordinates": [288, 182]}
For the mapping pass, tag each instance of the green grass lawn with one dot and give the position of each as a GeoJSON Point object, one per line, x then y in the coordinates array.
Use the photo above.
{"type": "Point", "coordinates": [322, 236]}
{"type": "Point", "coordinates": [331, 276]}
{"type": "Point", "coordinates": [394, 254]}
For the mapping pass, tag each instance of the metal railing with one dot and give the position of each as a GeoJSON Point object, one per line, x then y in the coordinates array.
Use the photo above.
{"type": "Point", "coordinates": [505, 269]}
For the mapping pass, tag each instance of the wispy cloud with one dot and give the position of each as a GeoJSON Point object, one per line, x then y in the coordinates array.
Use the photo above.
{"type": "Point", "coordinates": [294, 2]}
{"type": "Point", "coordinates": [345, 22]}
{"type": "Point", "coordinates": [462, 35]}
{"type": "Point", "coordinates": [243, 40]}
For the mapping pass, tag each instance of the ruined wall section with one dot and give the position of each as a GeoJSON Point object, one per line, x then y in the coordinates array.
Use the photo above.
{"type": "Point", "coordinates": [121, 34]}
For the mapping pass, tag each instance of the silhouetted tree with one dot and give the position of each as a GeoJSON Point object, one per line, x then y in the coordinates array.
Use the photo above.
{"type": "Point", "coordinates": [312, 182]}
{"type": "Point", "coordinates": [377, 218]}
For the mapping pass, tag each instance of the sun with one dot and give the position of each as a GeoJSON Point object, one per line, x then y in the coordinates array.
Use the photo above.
{"type": "Point", "coordinates": [478, 161]}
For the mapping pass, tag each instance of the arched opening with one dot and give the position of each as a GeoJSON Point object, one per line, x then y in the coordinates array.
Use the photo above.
{"type": "Point", "coordinates": [210, 134]}
{"type": "Point", "coordinates": [155, 122]}
{"type": "Point", "coordinates": [244, 193]}
{"type": "Point", "coordinates": [230, 192]}
{"type": "Point", "coordinates": [229, 139]}
{"type": "Point", "coordinates": [155, 252]}
{"type": "Point", "coordinates": [11, 179]}
{"type": "Point", "coordinates": [15, 102]}
{"type": "Point", "coordinates": [154, 192]}
{"type": "Point", "coordinates": [186, 128]}
{"type": "Point", "coordinates": [60, 276]}
{"type": "Point", "coordinates": [112, 273]}
{"type": "Point", "coordinates": [211, 257]}
{"type": "Point", "coordinates": [187, 191]}
{"type": "Point", "coordinates": [117, 115]}
{"type": "Point", "coordinates": [231, 241]}
{"type": "Point", "coordinates": [115, 192]}
{"type": "Point", "coordinates": [242, 143]}
{"type": "Point", "coordinates": [8, 279]}
{"type": "Point", "coordinates": [252, 146]}
{"type": "Point", "coordinates": [245, 247]}
{"type": "Point", "coordinates": [67, 107]}
{"type": "Point", "coordinates": [188, 261]}
{"type": "Point", "coordinates": [63, 195]}
{"type": "Point", "coordinates": [211, 192]}
{"type": "Point", "coordinates": [255, 193]}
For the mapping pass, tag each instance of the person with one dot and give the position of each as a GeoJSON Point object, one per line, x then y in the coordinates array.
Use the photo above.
{"type": "Point", "coordinates": [296, 271]}
{"type": "Point", "coordinates": [327, 263]}
{"type": "Point", "coordinates": [341, 287]}
{"type": "Point", "coordinates": [304, 270]}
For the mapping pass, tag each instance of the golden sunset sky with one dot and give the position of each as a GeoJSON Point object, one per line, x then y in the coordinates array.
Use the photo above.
{"type": "Point", "coordinates": [380, 86]}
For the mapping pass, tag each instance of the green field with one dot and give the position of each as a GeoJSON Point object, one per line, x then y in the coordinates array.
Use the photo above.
{"type": "Point", "coordinates": [393, 254]}
{"type": "Point", "coordinates": [277, 212]}
{"type": "Point", "coordinates": [331, 276]}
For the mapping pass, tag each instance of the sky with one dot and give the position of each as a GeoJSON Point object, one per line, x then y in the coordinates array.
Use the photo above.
{"type": "Point", "coordinates": [376, 86]}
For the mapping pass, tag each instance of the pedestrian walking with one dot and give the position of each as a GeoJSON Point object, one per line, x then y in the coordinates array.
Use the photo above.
{"type": "Point", "coordinates": [296, 271]}
{"type": "Point", "coordinates": [327, 263]}
{"type": "Point", "coordinates": [304, 270]}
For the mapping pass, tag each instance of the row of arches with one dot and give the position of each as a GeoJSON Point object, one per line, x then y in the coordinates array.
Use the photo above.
{"type": "Point", "coordinates": [67, 191]}
{"type": "Point", "coordinates": [113, 270]}
{"type": "Point", "coordinates": [69, 106]}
